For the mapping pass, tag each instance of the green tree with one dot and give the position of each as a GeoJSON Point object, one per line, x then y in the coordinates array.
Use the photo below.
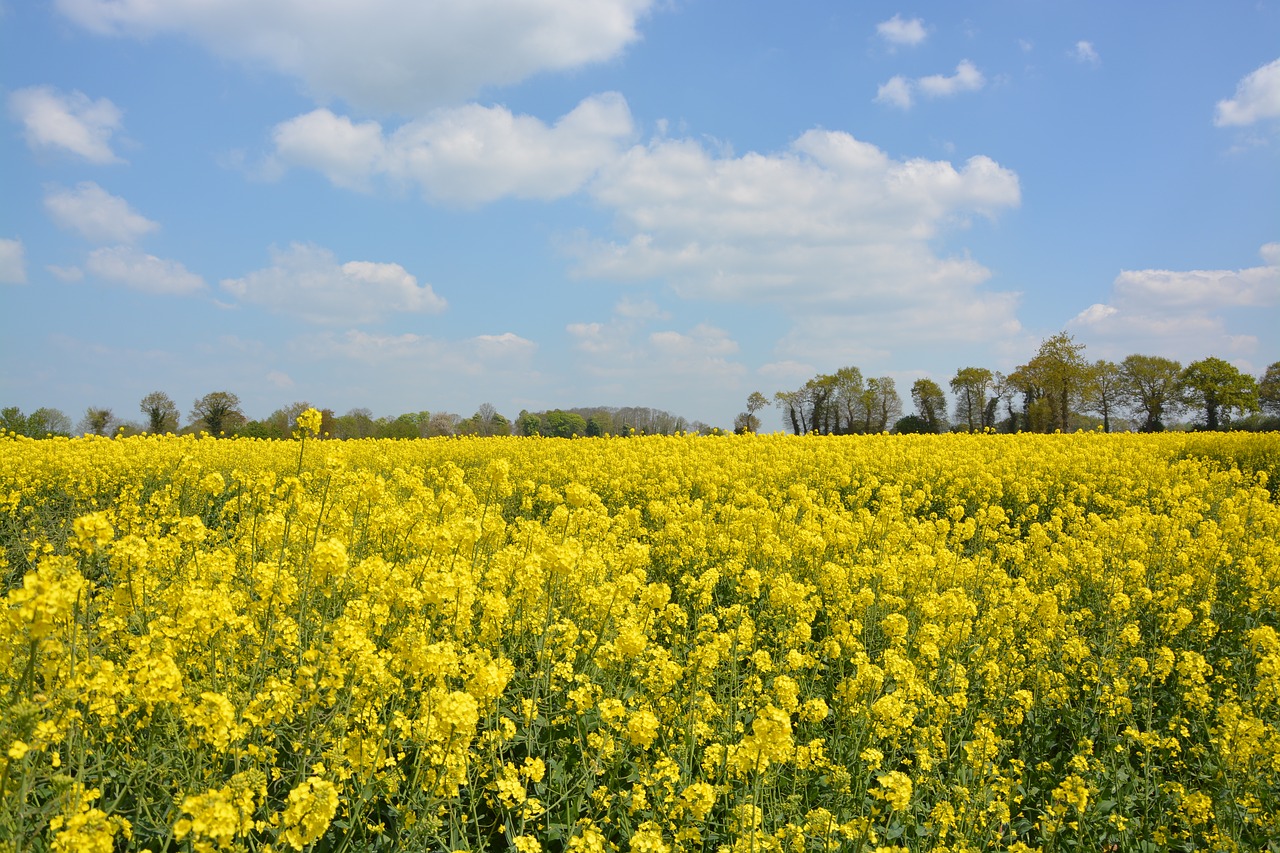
{"type": "Point", "coordinates": [1269, 390]}
{"type": "Point", "coordinates": [1151, 387]}
{"type": "Point", "coordinates": [912, 425]}
{"type": "Point", "coordinates": [1105, 391]}
{"type": "Point", "coordinates": [97, 421]}
{"type": "Point", "coordinates": [218, 412]}
{"type": "Point", "coordinates": [1060, 371]}
{"type": "Point", "coordinates": [45, 421]}
{"type": "Point", "coordinates": [563, 424]}
{"type": "Point", "coordinates": [527, 423]}
{"type": "Point", "coordinates": [971, 386]}
{"type": "Point", "coordinates": [931, 405]}
{"type": "Point", "coordinates": [356, 423]}
{"type": "Point", "coordinates": [888, 403]}
{"type": "Point", "coordinates": [12, 420]}
{"type": "Point", "coordinates": [878, 405]}
{"type": "Point", "coordinates": [255, 429]}
{"type": "Point", "coordinates": [848, 386]}
{"type": "Point", "coordinates": [819, 394]}
{"type": "Point", "coordinates": [1218, 388]}
{"type": "Point", "coordinates": [162, 413]}
{"type": "Point", "coordinates": [401, 426]}
{"type": "Point", "coordinates": [283, 421]}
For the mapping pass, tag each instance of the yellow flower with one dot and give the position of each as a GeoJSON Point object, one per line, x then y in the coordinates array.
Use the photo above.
{"type": "Point", "coordinates": [93, 530]}
{"type": "Point", "coordinates": [311, 806]}
{"type": "Point", "coordinates": [895, 789]}
{"type": "Point", "coordinates": [309, 422]}
{"type": "Point", "coordinates": [642, 728]}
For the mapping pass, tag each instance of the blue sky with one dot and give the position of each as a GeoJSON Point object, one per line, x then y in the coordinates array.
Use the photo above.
{"type": "Point", "coordinates": [410, 204]}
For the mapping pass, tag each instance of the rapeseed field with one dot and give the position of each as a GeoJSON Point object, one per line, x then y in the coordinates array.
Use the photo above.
{"type": "Point", "coordinates": [730, 643]}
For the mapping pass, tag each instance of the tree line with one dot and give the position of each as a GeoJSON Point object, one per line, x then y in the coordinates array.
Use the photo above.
{"type": "Point", "coordinates": [221, 413]}
{"type": "Point", "coordinates": [1057, 389]}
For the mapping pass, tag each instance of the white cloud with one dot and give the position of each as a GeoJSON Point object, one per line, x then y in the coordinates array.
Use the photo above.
{"type": "Point", "coordinates": [140, 271]}
{"type": "Point", "coordinates": [465, 155]}
{"type": "Point", "coordinates": [703, 341]}
{"type": "Point", "coordinates": [1257, 98]}
{"type": "Point", "coordinates": [897, 31]}
{"type": "Point", "coordinates": [71, 273]}
{"type": "Point", "coordinates": [69, 122]}
{"type": "Point", "coordinates": [386, 55]}
{"type": "Point", "coordinates": [830, 228]}
{"type": "Point", "coordinates": [899, 91]}
{"type": "Point", "coordinates": [787, 372]}
{"type": "Point", "coordinates": [13, 262]}
{"type": "Point", "coordinates": [279, 379]}
{"type": "Point", "coordinates": [966, 79]}
{"type": "Point", "coordinates": [308, 282]}
{"type": "Point", "coordinates": [97, 214]}
{"type": "Point", "coordinates": [830, 219]}
{"type": "Point", "coordinates": [489, 355]}
{"type": "Point", "coordinates": [1186, 313]}
{"type": "Point", "coordinates": [349, 154]}
{"type": "Point", "coordinates": [896, 91]}
{"type": "Point", "coordinates": [640, 309]}
{"type": "Point", "coordinates": [629, 364]}
{"type": "Point", "coordinates": [1085, 53]}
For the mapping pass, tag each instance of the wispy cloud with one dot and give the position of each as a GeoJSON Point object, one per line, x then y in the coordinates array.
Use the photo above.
{"type": "Point", "coordinates": [139, 271]}
{"type": "Point", "coordinates": [13, 262]}
{"type": "Point", "coordinates": [1085, 53]}
{"type": "Point", "coordinates": [900, 91]}
{"type": "Point", "coordinates": [898, 31]}
{"type": "Point", "coordinates": [96, 214]}
{"type": "Point", "coordinates": [70, 123]}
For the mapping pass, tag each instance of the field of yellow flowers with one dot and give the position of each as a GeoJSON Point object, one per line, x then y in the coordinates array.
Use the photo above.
{"type": "Point", "coordinates": [733, 643]}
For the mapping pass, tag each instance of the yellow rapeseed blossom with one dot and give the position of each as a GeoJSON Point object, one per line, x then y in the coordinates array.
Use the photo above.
{"type": "Point", "coordinates": [754, 643]}
{"type": "Point", "coordinates": [311, 805]}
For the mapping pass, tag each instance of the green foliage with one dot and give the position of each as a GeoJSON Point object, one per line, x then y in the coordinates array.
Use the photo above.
{"type": "Point", "coordinates": [161, 412]}
{"type": "Point", "coordinates": [561, 424]}
{"type": "Point", "coordinates": [217, 412]}
{"type": "Point", "coordinates": [931, 405]}
{"type": "Point", "coordinates": [971, 386]}
{"type": "Point", "coordinates": [1218, 388]}
{"type": "Point", "coordinates": [1269, 390]}
{"type": "Point", "coordinates": [1152, 384]}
